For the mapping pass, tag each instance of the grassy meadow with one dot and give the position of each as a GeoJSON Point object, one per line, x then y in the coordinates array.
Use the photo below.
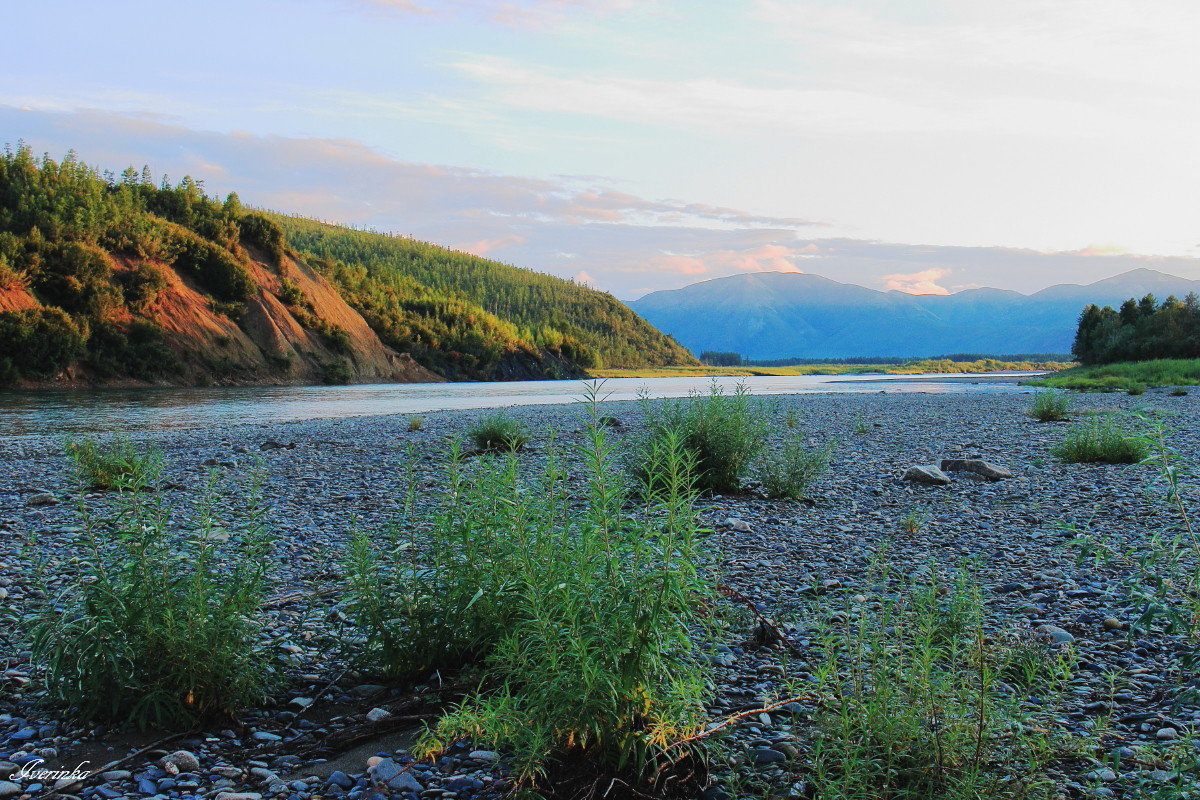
{"type": "Point", "coordinates": [1126, 376]}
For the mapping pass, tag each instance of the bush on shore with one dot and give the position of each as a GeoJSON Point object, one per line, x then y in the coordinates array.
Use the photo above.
{"type": "Point", "coordinates": [498, 432]}
{"type": "Point", "coordinates": [579, 612]}
{"type": "Point", "coordinates": [916, 699]}
{"type": "Point", "coordinates": [723, 432]}
{"type": "Point", "coordinates": [157, 627]}
{"type": "Point", "coordinates": [1050, 406]}
{"type": "Point", "coordinates": [786, 471]}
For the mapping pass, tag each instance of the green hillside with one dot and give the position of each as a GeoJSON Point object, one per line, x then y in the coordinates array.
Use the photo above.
{"type": "Point", "coordinates": [376, 273]}
{"type": "Point", "coordinates": [114, 278]}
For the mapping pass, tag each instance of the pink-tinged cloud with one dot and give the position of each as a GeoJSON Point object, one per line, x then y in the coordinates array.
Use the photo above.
{"type": "Point", "coordinates": [583, 278]}
{"type": "Point", "coordinates": [922, 282]}
{"type": "Point", "coordinates": [684, 265]}
{"type": "Point", "coordinates": [1103, 250]}
{"type": "Point", "coordinates": [484, 246]}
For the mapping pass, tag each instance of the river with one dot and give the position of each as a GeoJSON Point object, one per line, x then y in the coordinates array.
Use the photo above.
{"type": "Point", "coordinates": [73, 411]}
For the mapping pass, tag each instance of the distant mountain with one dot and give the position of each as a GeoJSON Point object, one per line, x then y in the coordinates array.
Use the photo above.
{"type": "Point", "coordinates": [772, 315]}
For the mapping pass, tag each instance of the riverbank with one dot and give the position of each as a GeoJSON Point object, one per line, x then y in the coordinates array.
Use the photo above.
{"type": "Point", "coordinates": [915, 367]}
{"type": "Point", "coordinates": [343, 474]}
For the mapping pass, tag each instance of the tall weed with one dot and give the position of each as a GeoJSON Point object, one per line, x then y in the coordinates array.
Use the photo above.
{"type": "Point", "coordinates": [917, 701]}
{"type": "Point", "coordinates": [724, 433]}
{"type": "Point", "coordinates": [157, 626]}
{"type": "Point", "coordinates": [579, 610]}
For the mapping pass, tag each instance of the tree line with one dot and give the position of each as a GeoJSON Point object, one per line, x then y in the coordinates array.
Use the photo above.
{"type": "Point", "coordinates": [1139, 330]}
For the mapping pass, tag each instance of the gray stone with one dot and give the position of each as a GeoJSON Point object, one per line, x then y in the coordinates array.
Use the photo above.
{"type": "Point", "coordinates": [739, 525]}
{"type": "Point", "coordinates": [180, 761]}
{"type": "Point", "coordinates": [9, 789]}
{"type": "Point", "coordinates": [1114, 624]}
{"type": "Point", "coordinates": [377, 714]}
{"type": "Point", "coordinates": [1166, 734]}
{"type": "Point", "coordinates": [926, 474]}
{"type": "Point", "coordinates": [977, 466]}
{"type": "Point", "coordinates": [484, 755]}
{"type": "Point", "coordinates": [1055, 634]}
{"type": "Point", "coordinates": [41, 499]}
{"type": "Point", "coordinates": [767, 755]}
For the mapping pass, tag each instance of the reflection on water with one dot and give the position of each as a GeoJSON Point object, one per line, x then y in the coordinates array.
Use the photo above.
{"type": "Point", "coordinates": [57, 411]}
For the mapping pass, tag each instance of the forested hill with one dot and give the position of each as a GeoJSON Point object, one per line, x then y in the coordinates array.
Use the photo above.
{"type": "Point", "coordinates": [121, 278]}
{"type": "Point", "coordinates": [374, 272]}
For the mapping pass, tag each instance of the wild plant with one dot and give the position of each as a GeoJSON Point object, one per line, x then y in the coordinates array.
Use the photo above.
{"type": "Point", "coordinates": [117, 464]}
{"type": "Point", "coordinates": [1163, 565]}
{"type": "Point", "coordinates": [157, 625]}
{"type": "Point", "coordinates": [498, 432]}
{"type": "Point", "coordinates": [724, 433]}
{"type": "Point", "coordinates": [1101, 438]}
{"type": "Point", "coordinates": [416, 423]}
{"type": "Point", "coordinates": [580, 610]}
{"type": "Point", "coordinates": [914, 519]}
{"type": "Point", "coordinates": [787, 469]}
{"type": "Point", "coordinates": [916, 700]}
{"type": "Point", "coordinates": [1050, 406]}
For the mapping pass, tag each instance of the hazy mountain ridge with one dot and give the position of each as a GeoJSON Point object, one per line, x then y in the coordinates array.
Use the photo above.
{"type": "Point", "coordinates": [781, 315]}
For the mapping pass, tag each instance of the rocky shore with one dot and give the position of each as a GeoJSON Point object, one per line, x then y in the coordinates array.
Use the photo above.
{"type": "Point", "coordinates": [336, 733]}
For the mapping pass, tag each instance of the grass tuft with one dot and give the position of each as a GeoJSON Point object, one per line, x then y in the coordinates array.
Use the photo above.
{"type": "Point", "coordinates": [579, 611]}
{"type": "Point", "coordinates": [116, 465]}
{"type": "Point", "coordinates": [498, 432]}
{"type": "Point", "coordinates": [416, 423]}
{"type": "Point", "coordinates": [1101, 439]}
{"type": "Point", "coordinates": [724, 433]}
{"type": "Point", "coordinates": [1049, 406]}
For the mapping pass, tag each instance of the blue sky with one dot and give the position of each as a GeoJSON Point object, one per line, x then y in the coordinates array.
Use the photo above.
{"type": "Point", "coordinates": [923, 146]}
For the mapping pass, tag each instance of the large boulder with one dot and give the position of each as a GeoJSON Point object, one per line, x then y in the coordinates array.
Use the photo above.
{"type": "Point", "coordinates": [927, 474]}
{"type": "Point", "coordinates": [977, 466]}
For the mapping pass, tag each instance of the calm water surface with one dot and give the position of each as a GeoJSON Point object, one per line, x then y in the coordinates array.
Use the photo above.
{"type": "Point", "coordinates": [58, 411]}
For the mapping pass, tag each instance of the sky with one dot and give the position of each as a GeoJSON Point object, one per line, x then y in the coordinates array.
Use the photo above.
{"type": "Point", "coordinates": [635, 145]}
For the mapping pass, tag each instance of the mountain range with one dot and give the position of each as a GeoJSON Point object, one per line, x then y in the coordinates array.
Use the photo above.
{"type": "Point", "coordinates": [778, 315]}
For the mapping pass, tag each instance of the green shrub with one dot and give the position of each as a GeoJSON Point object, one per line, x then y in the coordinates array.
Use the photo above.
{"type": "Point", "coordinates": [136, 349]}
{"type": "Point", "coordinates": [1049, 406]}
{"type": "Point", "coordinates": [416, 423]}
{"type": "Point", "coordinates": [117, 464]}
{"type": "Point", "coordinates": [579, 612]}
{"type": "Point", "coordinates": [1136, 389]}
{"type": "Point", "coordinates": [498, 431]}
{"type": "Point", "coordinates": [259, 230]}
{"type": "Point", "coordinates": [915, 700]}
{"type": "Point", "coordinates": [40, 342]}
{"type": "Point", "coordinates": [1178, 392]}
{"type": "Point", "coordinates": [1101, 439]}
{"type": "Point", "coordinates": [336, 338]}
{"type": "Point", "coordinates": [723, 433]}
{"type": "Point", "coordinates": [142, 284]}
{"type": "Point", "coordinates": [786, 470]}
{"type": "Point", "coordinates": [336, 372]}
{"type": "Point", "coordinates": [157, 626]}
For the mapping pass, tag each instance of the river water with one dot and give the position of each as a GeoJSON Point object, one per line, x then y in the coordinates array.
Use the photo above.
{"type": "Point", "coordinates": [63, 411]}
